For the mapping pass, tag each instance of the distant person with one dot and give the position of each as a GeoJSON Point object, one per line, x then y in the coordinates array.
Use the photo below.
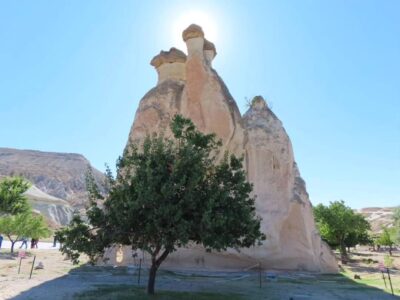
{"type": "Point", "coordinates": [34, 243]}
{"type": "Point", "coordinates": [1, 240]}
{"type": "Point", "coordinates": [55, 241]}
{"type": "Point", "coordinates": [24, 242]}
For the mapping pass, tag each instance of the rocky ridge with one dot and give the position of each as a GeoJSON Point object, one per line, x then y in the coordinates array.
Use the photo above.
{"type": "Point", "coordinates": [378, 217]}
{"type": "Point", "coordinates": [58, 180]}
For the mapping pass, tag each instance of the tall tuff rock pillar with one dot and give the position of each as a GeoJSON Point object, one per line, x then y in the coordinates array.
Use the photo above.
{"type": "Point", "coordinates": [206, 100]}
{"type": "Point", "coordinates": [269, 158]}
{"type": "Point", "coordinates": [162, 102]}
{"type": "Point", "coordinates": [282, 200]}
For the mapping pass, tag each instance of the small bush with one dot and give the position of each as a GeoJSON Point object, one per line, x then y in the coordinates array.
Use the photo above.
{"type": "Point", "coordinates": [369, 261]}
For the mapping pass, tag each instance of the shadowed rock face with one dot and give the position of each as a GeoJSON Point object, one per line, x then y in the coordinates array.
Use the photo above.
{"type": "Point", "coordinates": [282, 200]}
{"type": "Point", "coordinates": [58, 178]}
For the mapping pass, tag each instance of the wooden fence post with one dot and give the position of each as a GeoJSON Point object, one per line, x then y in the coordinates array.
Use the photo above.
{"type": "Point", "coordinates": [390, 280]}
{"type": "Point", "coordinates": [33, 264]}
{"type": "Point", "coordinates": [19, 267]}
{"type": "Point", "coordinates": [384, 279]}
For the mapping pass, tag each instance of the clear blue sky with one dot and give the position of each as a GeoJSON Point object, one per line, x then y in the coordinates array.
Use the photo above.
{"type": "Point", "coordinates": [72, 74]}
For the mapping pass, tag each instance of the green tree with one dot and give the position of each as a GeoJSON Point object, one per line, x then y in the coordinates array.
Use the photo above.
{"type": "Point", "coordinates": [387, 238]}
{"type": "Point", "coordinates": [23, 225]}
{"type": "Point", "coordinates": [354, 238]}
{"type": "Point", "coordinates": [374, 237]}
{"type": "Point", "coordinates": [169, 193]}
{"type": "Point", "coordinates": [396, 216]}
{"type": "Point", "coordinates": [12, 198]}
{"type": "Point", "coordinates": [338, 222]}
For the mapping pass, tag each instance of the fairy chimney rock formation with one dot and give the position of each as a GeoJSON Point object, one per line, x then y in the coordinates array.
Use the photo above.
{"type": "Point", "coordinates": [209, 52]}
{"type": "Point", "coordinates": [193, 36]}
{"type": "Point", "coordinates": [188, 85]}
{"type": "Point", "coordinates": [170, 65]}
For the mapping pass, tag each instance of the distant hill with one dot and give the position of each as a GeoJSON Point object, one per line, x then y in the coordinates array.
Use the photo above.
{"type": "Point", "coordinates": [378, 217]}
{"type": "Point", "coordinates": [58, 179]}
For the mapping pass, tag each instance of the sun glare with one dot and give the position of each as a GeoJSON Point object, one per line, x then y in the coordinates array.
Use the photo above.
{"type": "Point", "coordinates": [200, 18]}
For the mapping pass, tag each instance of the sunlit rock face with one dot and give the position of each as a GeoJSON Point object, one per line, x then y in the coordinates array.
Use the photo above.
{"type": "Point", "coordinates": [281, 197]}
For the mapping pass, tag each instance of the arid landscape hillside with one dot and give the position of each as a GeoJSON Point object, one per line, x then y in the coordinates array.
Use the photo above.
{"type": "Point", "coordinates": [378, 217]}
{"type": "Point", "coordinates": [56, 211]}
{"type": "Point", "coordinates": [58, 180]}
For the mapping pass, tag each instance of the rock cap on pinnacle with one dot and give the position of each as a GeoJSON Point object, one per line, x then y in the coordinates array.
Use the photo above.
{"type": "Point", "coordinates": [209, 46]}
{"type": "Point", "coordinates": [191, 32]}
{"type": "Point", "coordinates": [171, 56]}
{"type": "Point", "coordinates": [258, 103]}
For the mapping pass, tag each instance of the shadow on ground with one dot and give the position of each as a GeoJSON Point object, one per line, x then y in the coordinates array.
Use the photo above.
{"type": "Point", "coordinates": [89, 282]}
{"type": "Point", "coordinates": [7, 256]}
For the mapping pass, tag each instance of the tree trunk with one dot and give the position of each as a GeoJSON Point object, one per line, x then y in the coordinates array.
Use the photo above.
{"type": "Point", "coordinates": [155, 263]}
{"type": "Point", "coordinates": [152, 279]}
{"type": "Point", "coordinates": [390, 250]}
{"type": "Point", "coordinates": [343, 253]}
{"type": "Point", "coordinates": [348, 249]}
{"type": "Point", "coordinates": [12, 246]}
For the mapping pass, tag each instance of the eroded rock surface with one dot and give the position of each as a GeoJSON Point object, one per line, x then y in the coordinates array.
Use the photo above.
{"type": "Point", "coordinates": [57, 212]}
{"type": "Point", "coordinates": [282, 200]}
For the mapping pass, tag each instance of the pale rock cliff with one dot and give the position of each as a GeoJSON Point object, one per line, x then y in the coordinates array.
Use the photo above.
{"type": "Point", "coordinates": [58, 212]}
{"type": "Point", "coordinates": [188, 85]}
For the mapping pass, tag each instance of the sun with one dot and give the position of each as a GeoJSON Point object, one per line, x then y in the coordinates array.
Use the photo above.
{"type": "Point", "coordinates": [204, 20]}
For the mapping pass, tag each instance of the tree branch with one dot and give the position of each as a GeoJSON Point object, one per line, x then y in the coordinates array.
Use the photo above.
{"type": "Point", "coordinates": [162, 258]}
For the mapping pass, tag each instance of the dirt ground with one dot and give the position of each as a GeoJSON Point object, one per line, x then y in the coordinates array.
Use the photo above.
{"type": "Point", "coordinates": [12, 283]}
{"type": "Point", "coordinates": [61, 280]}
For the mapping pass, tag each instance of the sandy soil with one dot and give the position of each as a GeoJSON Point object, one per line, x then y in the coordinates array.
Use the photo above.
{"type": "Point", "coordinates": [12, 283]}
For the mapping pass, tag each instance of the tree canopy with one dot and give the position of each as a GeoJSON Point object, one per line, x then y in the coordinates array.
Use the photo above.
{"type": "Point", "coordinates": [387, 238]}
{"type": "Point", "coordinates": [23, 225]}
{"type": "Point", "coordinates": [396, 216]}
{"type": "Point", "coordinates": [12, 198]}
{"type": "Point", "coordinates": [358, 238]}
{"type": "Point", "coordinates": [340, 225]}
{"type": "Point", "coordinates": [169, 193]}
{"type": "Point", "coordinates": [16, 217]}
